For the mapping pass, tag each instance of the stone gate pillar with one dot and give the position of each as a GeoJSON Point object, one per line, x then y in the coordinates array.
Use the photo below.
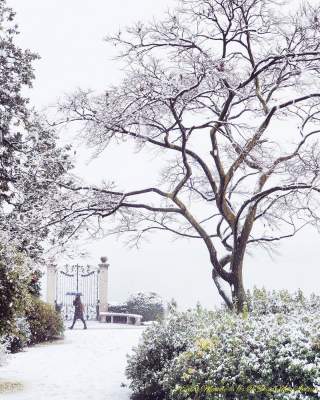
{"type": "Point", "coordinates": [103, 285]}
{"type": "Point", "coordinates": [51, 284]}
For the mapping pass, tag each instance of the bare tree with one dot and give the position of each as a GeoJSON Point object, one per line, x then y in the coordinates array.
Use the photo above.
{"type": "Point", "coordinates": [228, 91]}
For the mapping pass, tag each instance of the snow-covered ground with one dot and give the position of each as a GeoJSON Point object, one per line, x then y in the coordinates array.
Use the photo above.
{"type": "Point", "coordinates": [87, 364]}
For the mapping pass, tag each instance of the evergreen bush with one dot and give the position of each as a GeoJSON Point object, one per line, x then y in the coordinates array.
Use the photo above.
{"type": "Point", "coordinates": [3, 350]}
{"type": "Point", "coordinates": [45, 323]}
{"type": "Point", "coordinates": [19, 336]}
{"type": "Point", "coordinates": [14, 295]}
{"type": "Point", "coordinates": [149, 305]}
{"type": "Point", "coordinates": [159, 345]}
{"type": "Point", "coordinates": [272, 351]}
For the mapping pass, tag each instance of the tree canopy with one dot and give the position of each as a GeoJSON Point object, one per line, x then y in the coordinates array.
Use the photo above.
{"type": "Point", "coordinates": [31, 162]}
{"type": "Point", "coordinates": [228, 92]}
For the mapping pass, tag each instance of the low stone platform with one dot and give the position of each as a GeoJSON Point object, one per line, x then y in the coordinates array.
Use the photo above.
{"type": "Point", "coordinates": [111, 317]}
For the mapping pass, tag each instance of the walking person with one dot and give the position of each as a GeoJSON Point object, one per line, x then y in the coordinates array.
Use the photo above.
{"type": "Point", "coordinates": [78, 312]}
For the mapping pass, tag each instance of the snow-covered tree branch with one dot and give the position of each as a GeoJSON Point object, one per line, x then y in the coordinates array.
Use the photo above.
{"type": "Point", "coordinates": [31, 161]}
{"type": "Point", "coordinates": [229, 92]}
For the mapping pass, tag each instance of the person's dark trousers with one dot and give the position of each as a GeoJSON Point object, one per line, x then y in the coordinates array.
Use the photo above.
{"type": "Point", "coordinates": [74, 321]}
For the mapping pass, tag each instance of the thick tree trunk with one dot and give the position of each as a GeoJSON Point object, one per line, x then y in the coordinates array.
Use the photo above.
{"type": "Point", "coordinates": [238, 292]}
{"type": "Point", "coordinates": [239, 297]}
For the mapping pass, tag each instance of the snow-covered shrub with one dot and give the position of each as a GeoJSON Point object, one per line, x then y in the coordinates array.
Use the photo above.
{"type": "Point", "coordinates": [160, 344]}
{"type": "Point", "coordinates": [261, 301]}
{"type": "Point", "coordinates": [222, 355]}
{"type": "Point", "coordinates": [35, 283]}
{"type": "Point", "coordinates": [149, 305]}
{"type": "Point", "coordinates": [45, 323]}
{"type": "Point", "coordinates": [117, 307]}
{"type": "Point", "coordinates": [269, 356]}
{"type": "Point", "coordinates": [20, 335]}
{"type": "Point", "coordinates": [14, 296]}
{"type": "Point", "coordinates": [3, 351]}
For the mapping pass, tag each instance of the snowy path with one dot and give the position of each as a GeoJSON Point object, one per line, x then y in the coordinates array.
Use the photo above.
{"type": "Point", "coordinates": [87, 365]}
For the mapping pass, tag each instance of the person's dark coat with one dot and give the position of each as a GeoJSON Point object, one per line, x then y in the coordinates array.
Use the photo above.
{"type": "Point", "coordinates": [78, 311]}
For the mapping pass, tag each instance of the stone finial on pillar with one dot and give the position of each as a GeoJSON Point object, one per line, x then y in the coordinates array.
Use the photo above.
{"type": "Point", "coordinates": [51, 283]}
{"type": "Point", "coordinates": [103, 285]}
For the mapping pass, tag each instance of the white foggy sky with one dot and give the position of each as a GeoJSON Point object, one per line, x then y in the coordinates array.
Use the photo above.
{"type": "Point", "coordinates": [68, 36]}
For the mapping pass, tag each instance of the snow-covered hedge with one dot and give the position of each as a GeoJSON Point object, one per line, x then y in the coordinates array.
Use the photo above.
{"type": "Point", "coordinates": [45, 323]}
{"type": "Point", "coordinates": [14, 296]}
{"type": "Point", "coordinates": [149, 305]}
{"type": "Point", "coordinates": [19, 336]}
{"type": "Point", "coordinates": [160, 344]}
{"type": "Point", "coordinates": [260, 301]}
{"type": "Point", "coordinates": [221, 355]}
{"type": "Point", "coordinates": [273, 356]}
{"type": "Point", "coordinates": [3, 351]}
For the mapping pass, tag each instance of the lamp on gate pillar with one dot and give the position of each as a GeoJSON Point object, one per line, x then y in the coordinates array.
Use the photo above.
{"type": "Point", "coordinates": [51, 284]}
{"type": "Point", "coordinates": [103, 284]}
